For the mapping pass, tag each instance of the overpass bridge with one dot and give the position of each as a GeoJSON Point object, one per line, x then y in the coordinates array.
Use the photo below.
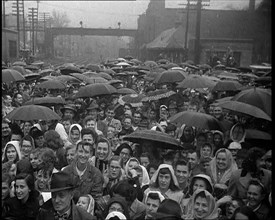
{"type": "Point", "coordinates": [51, 33]}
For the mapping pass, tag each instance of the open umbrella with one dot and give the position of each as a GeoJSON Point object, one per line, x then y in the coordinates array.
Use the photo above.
{"type": "Point", "coordinates": [170, 76]}
{"type": "Point", "coordinates": [96, 79]}
{"type": "Point", "coordinates": [89, 74]}
{"type": "Point", "coordinates": [20, 69]}
{"type": "Point", "coordinates": [19, 63]}
{"type": "Point", "coordinates": [195, 82]}
{"type": "Point", "coordinates": [204, 66]}
{"type": "Point", "coordinates": [69, 69]}
{"type": "Point", "coordinates": [51, 84]}
{"type": "Point", "coordinates": [32, 112]}
{"type": "Point", "coordinates": [104, 75]}
{"type": "Point", "coordinates": [32, 76]}
{"type": "Point", "coordinates": [32, 67]}
{"type": "Point", "coordinates": [11, 75]}
{"type": "Point", "coordinates": [257, 134]}
{"type": "Point", "coordinates": [45, 100]}
{"type": "Point", "coordinates": [258, 97]}
{"type": "Point", "coordinates": [67, 78]}
{"type": "Point", "coordinates": [109, 71]}
{"type": "Point", "coordinates": [150, 63]}
{"type": "Point", "coordinates": [157, 94]}
{"type": "Point", "coordinates": [126, 91]}
{"type": "Point", "coordinates": [228, 75]}
{"type": "Point", "coordinates": [133, 99]}
{"type": "Point", "coordinates": [227, 85]}
{"type": "Point", "coordinates": [95, 90]}
{"type": "Point", "coordinates": [93, 67]}
{"type": "Point", "coordinates": [245, 109]}
{"type": "Point", "coordinates": [46, 72]}
{"type": "Point", "coordinates": [196, 119]}
{"type": "Point", "coordinates": [123, 64]}
{"type": "Point", "coordinates": [163, 140]}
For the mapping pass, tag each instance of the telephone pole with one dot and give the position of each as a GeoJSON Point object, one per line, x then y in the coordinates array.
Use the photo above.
{"type": "Point", "coordinates": [33, 16]}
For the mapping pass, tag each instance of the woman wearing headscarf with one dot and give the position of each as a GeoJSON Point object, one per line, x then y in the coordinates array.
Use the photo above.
{"type": "Point", "coordinates": [117, 204]}
{"type": "Point", "coordinates": [203, 206]}
{"type": "Point", "coordinates": [165, 181]}
{"type": "Point", "coordinates": [103, 153]}
{"type": "Point", "coordinates": [218, 140]}
{"type": "Point", "coordinates": [220, 170]}
{"type": "Point", "coordinates": [134, 170]}
{"type": "Point", "coordinates": [11, 152]}
{"type": "Point", "coordinates": [75, 133]}
{"type": "Point", "coordinates": [187, 134]}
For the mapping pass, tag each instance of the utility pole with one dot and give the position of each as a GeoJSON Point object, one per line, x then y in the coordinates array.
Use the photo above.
{"type": "Point", "coordinates": [198, 33]}
{"type": "Point", "coordinates": [16, 11]}
{"type": "Point", "coordinates": [44, 18]}
{"type": "Point", "coordinates": [24, 28]}
{"type": "Point", "coordinates": [187, 24]}
{"type": "Point", "coordinates": [33, 15]}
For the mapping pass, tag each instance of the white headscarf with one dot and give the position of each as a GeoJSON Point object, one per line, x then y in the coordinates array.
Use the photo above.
{"type": "Point", "coordinates": [17, 148]}
{"type": "Point", "coordinates": [115, 213]}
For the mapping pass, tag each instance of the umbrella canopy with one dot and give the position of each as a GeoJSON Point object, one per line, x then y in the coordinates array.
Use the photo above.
{"type": "Point", "coordinates": [245, 109]}
{"type": "Point", "coordinates": [20, 69]}
{"type": "Point", "coordinates": [213, 78]}
{"type": "Point", "coordinates": [67, 78]}
{"type": "Point", "coordinates": [32, 76]}
{"type": "Point", "coordinates": [46, 72]}
{"type": "Point", "coordinates": [89, 74]}
{"type": "Point", "coordinates": [46, 100]}
{"type": "Point", "coordinates": [93, 67]}
{"type": "Point", "coordinates": [228, 75]}
{"type": "Point", "coordinates": [258, 97]}
{"type": "Point", "coordinates": [109, 71]}
{"type": "Point", "coordinates": [95, 90]}
{"type": "Point", "coordinates": [123, 64]}
{"type": "Point", "coordinates": [69, 69]}
{"type": "Point", "coordinates": [11, 75]}
{"type": "Point", "coordinates": [126, 91]}
{"type": "Point", "coordinates": [158, 94]}
{"type": "Point", "coordinates": [51, 84]}
{"type": "Point", "coordinates": [195, 82]}
{"type": "Point", "coordinates": [163, 140]}
{"type": "Point", "coordinates": [169, 76]}
{"type": "Point", "coordinates": [150, 63]}
{"type": "Point", "coordinates": [224, 99]}
{"type": "Point", "coordinates": [32, 112]}
{"type": "Point", "coordinates": [19, 63]}
{"type": "Point", "coordinates": [96, 79]}
{"type": "Point", "coordinates": [133, 99]}
{"type": "Point", "coordinates": [204, 66]}
{"type": "Point", "coordinates": [32, 67]}
{"type": "Point", "coordinates": [257, 134]}
{"type": "Point", "coordinates": [196, 119]}
{"type": "Point", "coordinates": [80, 77]}
{"type": "Point", "coordinates": [227, 85]}
{"type": "Point", "coordinates": [105, 75]}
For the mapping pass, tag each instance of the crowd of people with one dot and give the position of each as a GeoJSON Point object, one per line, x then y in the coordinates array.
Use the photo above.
{"type": "Point", "coordinates": [82, 167]}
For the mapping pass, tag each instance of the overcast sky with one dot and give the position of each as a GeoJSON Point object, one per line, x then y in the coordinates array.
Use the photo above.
{"type": "Point", "coordinates": [105, 14]}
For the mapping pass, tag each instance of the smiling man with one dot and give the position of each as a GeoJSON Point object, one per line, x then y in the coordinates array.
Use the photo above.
{"type": "Point", "coordinates": [61, 205]}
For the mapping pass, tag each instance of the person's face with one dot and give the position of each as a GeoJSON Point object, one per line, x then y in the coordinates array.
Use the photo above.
{"type": "Point", "coordinates": [67, 125]}
{"type": "Point", "coordinates": [137, 118]}
{"type": "Point", "coordinates": [68, 113]}
{"type": "Point", "coordinates": [16, 137]}
{"type": "Point", "coordinates": [83, 154]}
{"type": "Point", "coordinates": [240, 216]}
{"type": "Point", "coordinates": [127, 123]}
{"type": "Point", "coordinates": [125, 155]}
{"type": "Point", "coordinates": [201, 207]}
{"type": "Point", "coordinates": [27, 127]}
{"type": "Point", "coordinates": [151, 172]}
{"type": "Point", "coordinates": [26, 148]}
{"type": "Point", "coordinates": [83, 202]}
{"type": "Point", "coordinates": [172, 111]}
{"type": "Point", "coordinates": [5, 190]}
{"type": "Point", "coordinates": [200, 141]}
{"type": "Point", "coordinates": [221, 161]}
{"type": "Point", "coordinates": [19, 99]}
{"type": "Point", "coordinates": [192, 108]}
{"type": "Point", "coordinates": [102, 150]}
{"type": "Point", "coordinates": [151, 206]}
{"type": "Point", "coordinates": [43, 125]}
{"type": "Point", "coordinates": [237, 133]}
{"type": "Point", "coordinates": [234, 153]}
{"type": "Point", "coordinates": [199, 184]}
{"type": "Point", "coordinates": [144, 161]}
{"type": "Point", "coordinates": [111, 132]}
{"type": "Point", "coordinates": [8, 100]}
{"type": "Point", "coordinates": [206, 151]}
{"type": "Point", "coordinates": [11, 153]}
{"type": "Point", "coordinates": [35, 160]}
{"type": "Point", "coordinates": [90, 124]}
{"type": "Point", "coordinates": [163, 113]}
{"type": "Point", "coordinates": [88, 138]}
{"type": "Point", "coordinates": [115, 169]}
{"type": "Point", "coordinates": [230, 208]}
{"type": "Point", "coordinates": [116, 207]}
{"type": "Point", "coordinates": [93, 113]}
{"type": "Point", "coordinates": [182, 173]}
{"type": "Point", "coordinates": [188, 132]}
{"type": "Point", "coordinates": [217, 112]}
{"type": "Point", "coordinates": [5, 129]}
{"type": "Point", "coordinates": [70, 155]}
{"type": "Point", "coordinates": [39, 141]}
{"type": "Point", "coordinates": [206, 165]}
{"type": "Point", "coordinates": [164, 181]}
{"type": "Point", "coordinates": [152, 115]}
{"type": "Point", "coordinates": [192, 159]}
{"type": "Point", "coordinates": [21, 189]}
{"type": "Point", "coordinates": [132, 164]}
{"type": "Point", "coordinates": [43, 179]}
{"type": "Point", "coordinates": [101, 114]}
{"type": "Point", "coordinates": [75, 135]}
{"type": "Point", "coordinates": [61, 200]}
{"type": "Point", "coordinates": [217, 139]}
{"type": "Point", "coordinates": [110, 114]}
{"type": "Point", "coordinates": [254, 195]}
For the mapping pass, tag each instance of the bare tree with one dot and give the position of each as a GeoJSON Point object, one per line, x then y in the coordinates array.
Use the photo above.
{"type": "Point", "coordinates": [59, 19]}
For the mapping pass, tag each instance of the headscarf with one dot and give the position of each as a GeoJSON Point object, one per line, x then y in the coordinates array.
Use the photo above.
{"type": "Point", "coordinates": [212, 206]}
{"type": "Point", "coordinates": [115, 214]}
{"type": "Point", "coordinates": [183, 138]}
{"type": "Point", "coordinates": [122, 202]}
{"type": "Point", "coordinates": [231, 166]}
{"type": "Point", "coordinates": [231, 133]}
{"type": "Point", "coordinates": [17, 148]}
{"type": "Point", "coordinates": [91, 205]}
{"type": "Point", "coordinates": [154, 178]}
{"type": "Point", "coordinates": [161, 197]}
{"type": "Point", "coordinates": [206, 178]}
{"type": "Point", "coordinates": [70, 131]}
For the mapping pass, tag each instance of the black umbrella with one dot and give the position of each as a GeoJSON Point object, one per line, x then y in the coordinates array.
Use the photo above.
{"type": "Point", "coordinates": [95, 90]}
{"type": "Point", "coordinates": [46, 101]}
{"type": "Point", "coordinates": [164, 140]}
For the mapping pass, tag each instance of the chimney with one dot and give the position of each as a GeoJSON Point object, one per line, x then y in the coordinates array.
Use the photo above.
{"type": "Point", "coordinates": [252, 5]}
